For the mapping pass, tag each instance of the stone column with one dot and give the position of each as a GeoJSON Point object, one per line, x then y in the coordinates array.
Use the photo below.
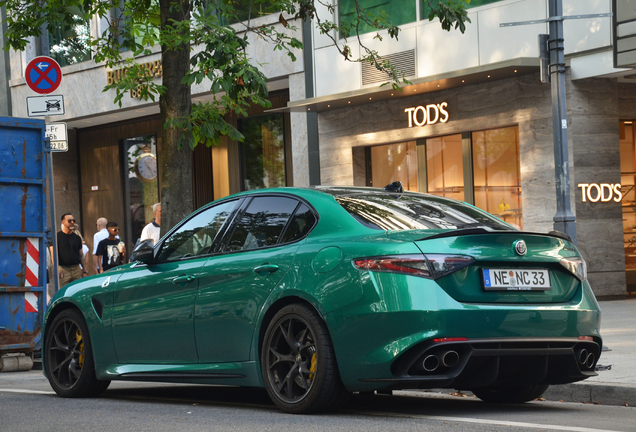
{"type": "Point", "coordinates": [593, 124]}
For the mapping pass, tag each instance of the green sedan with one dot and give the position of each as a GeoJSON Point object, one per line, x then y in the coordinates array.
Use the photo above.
{"type": "Point", "coordinates": [315, 293]}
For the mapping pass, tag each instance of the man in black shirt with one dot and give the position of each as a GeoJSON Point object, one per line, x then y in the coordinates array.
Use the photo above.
{"type": "Point", "coordinates": [69, 249]}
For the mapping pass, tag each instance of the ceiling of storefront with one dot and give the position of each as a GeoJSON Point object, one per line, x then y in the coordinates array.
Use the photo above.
{"type": "Point", "coordinates": [454, 79]}
{"type": "Point", "coordinates": [145, 110]}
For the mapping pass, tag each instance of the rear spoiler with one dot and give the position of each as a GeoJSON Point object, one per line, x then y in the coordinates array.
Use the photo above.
{"type": "Point", "coordinates": [476, 231]}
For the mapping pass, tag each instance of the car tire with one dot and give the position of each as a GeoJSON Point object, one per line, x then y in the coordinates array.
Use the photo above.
{"type": "Point", "coordinates": [298, 363]}
{"type": "Point", "coordinates": [512, 394]}
{"type": "Point", "coordinates": [68, 357]}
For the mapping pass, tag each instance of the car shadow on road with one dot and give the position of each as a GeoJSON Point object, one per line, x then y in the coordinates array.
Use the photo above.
{"type": "Point", "coordinates": [404, 403]}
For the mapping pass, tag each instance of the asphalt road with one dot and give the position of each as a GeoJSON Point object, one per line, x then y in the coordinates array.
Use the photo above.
{"type": "Point", "coordinates": [27, 403]}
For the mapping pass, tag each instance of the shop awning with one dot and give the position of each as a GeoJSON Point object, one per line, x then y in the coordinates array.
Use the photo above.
{"type": "Point", "coordinates": [448, 80]}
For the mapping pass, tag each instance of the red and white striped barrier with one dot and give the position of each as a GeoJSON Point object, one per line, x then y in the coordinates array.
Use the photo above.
{"type": "Point", "coordinates": [32, 262]}
{"type": "Point", "coordinates": [30, 302]}
{"type": "Point", "coordinates": [32, 274]}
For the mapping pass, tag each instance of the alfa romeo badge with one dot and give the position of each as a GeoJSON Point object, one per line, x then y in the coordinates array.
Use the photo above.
{"type": "Point", "coordinates": [520, 247]}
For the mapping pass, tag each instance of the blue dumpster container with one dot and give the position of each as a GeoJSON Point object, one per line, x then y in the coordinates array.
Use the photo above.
{"type": "Point", "coordinates": [22, 234]}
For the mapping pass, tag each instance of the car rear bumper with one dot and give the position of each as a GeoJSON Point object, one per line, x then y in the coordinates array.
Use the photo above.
{"type": "Point", "coordinates": [381, 338]}
{"type": "Point", "coordinates": [493, 362]}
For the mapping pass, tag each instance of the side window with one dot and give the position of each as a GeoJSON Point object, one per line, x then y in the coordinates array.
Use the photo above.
{"type": "Point", "coordinates": [300, 224]}
{"type": "Point", "coordinates": [262, 223]}
{"type": "Point", "coordinates": [196, 236]}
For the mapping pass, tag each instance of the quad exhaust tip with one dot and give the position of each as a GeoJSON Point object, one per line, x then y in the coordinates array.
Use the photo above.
{"type": "Point", "coordinates": [430, 363]}
{"type": "Point", "coordinates": [448, 359]}
{"type": "Point", "coordinates": [586, 358]}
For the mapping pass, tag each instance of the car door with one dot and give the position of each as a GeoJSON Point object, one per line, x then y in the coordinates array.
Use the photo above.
{"type": "Point", "coordinates": [236, 282]}
{"type": "Point", "coordinates": [153, 318]}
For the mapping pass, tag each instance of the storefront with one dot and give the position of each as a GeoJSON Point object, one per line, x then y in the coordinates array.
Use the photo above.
{"type": "Point", "coordinates": [492, 146]}
{"type": "Point", "coordinates": [627, 197]}
{"type": "Point", "coordinates": [120, 166]}
{"type": "Point", "coordinates": [479, 167]}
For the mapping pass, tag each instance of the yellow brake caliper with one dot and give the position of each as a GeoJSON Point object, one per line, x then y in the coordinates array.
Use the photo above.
{"type": "Point", "coordinates": [312, 368]}
{"type": "Point", "coordinates": [78, 338]}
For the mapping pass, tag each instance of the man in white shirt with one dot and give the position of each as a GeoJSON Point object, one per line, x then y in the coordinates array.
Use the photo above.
{"type": "Point", "coordinates": [152, 231]}
{"type": "Point", "coordinates": [100, 235]}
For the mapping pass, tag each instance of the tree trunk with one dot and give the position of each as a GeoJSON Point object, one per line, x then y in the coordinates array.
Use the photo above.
{"type": "Point", "coordinates": [176, 102]}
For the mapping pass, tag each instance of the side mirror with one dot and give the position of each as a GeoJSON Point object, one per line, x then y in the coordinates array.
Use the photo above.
{"type": "Point", "coordinates": [144, 252]}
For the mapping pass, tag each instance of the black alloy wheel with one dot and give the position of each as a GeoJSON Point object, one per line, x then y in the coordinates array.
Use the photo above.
{"type": "Point", "coordinates": [68, 359]}
{"type": "Point", "coordinates": [298, 363]}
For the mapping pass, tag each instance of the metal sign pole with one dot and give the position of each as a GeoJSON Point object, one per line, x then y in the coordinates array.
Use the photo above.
{"type": "Point", "coordinates": [56, 273]}
{"type": "Point", "coordinates": [564, 219]}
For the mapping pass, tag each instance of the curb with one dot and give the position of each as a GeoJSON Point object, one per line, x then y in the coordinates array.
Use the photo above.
{"type": "Point", "coordinates": [614, 394]}
{"type": "Point", "coordinates": [601, 394]}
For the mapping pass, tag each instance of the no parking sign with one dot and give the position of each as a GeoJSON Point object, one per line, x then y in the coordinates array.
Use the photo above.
{"type": "Point", "coordinates": [43, 75]}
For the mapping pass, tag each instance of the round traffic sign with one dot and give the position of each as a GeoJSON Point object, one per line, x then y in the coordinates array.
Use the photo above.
{"type": "Point", "coordinates": [43, 75]}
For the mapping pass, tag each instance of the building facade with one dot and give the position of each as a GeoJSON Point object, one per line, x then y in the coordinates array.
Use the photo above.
{"type": "Point", "coordinates": [113, 165]}
{"type": "Point", "coordinates": [475, 124]}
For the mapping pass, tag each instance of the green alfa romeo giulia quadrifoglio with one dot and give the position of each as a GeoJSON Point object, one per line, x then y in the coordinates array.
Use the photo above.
{"type": "Point", "coordinates": [316, 293]}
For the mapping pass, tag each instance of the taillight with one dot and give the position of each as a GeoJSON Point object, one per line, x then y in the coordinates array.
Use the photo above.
{"type": "Point", "coordinates": [410, 264]}
{"type": "Point", "coordinates": [446, 264]}
{"type": "Point", "coordinates": [576, 266]}
{"type": "Point", "coordinates": [432, 266]}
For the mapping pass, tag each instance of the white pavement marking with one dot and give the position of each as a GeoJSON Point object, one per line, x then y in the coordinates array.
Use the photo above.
{"type": "Point", "coordinates": [486, 421]}
{"type": "Point", "coordinates": [27, 391]}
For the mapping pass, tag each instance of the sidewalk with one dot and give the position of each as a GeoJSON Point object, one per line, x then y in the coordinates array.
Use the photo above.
{"type": "Point", "coordinates": [618, 385]}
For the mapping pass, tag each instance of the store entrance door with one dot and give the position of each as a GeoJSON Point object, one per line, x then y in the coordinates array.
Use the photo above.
{"type": "Point", "coordinates": [141, 183]}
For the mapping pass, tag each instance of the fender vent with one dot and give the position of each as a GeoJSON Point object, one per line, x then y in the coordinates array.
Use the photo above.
{"type": "Point", "coordinates": [99, 308]}
{"type": "Point", "coordinates": [403, 61]}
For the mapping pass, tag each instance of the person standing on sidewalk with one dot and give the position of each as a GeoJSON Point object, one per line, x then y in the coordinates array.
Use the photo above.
{"type": "Point", "coordinates": [69, 248]}
{"type": "Point", "coordinates": [152, 230]}
{"type": "Point", "coordinates": [110, 251]}
{"type": "Point", "coordinates": [100, 235]}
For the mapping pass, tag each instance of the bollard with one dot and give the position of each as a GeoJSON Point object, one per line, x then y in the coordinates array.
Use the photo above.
{"type": "Point", "coordinates": [16, 363]}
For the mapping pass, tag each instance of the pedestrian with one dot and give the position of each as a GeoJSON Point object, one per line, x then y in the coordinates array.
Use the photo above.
{"type": "Point", "coordinates": [100, 235]}
{"type": "Point", "coordinates": [69, 249]}
{"type": "Point", "coordinates": [76, 230]}
{"type": "Point", "coordinates": [110, 251]}
{"type": "Point", "coordinates": [152, 231]}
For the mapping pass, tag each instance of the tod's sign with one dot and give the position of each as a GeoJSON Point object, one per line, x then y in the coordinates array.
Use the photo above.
{"type": "Point", "coordinates": [426, 115]}
{"type": "Point", "coordinates": [603, 192]}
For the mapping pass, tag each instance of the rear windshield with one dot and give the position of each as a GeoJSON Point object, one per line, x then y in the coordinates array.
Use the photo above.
{"type": "Point", "coordinates": [416, 211]}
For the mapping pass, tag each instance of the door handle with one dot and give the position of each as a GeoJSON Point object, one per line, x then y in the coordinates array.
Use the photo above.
{"type": "Point", "coordinates": [183, 280]}
{"type": "Point", "coordinates": [265, 268]}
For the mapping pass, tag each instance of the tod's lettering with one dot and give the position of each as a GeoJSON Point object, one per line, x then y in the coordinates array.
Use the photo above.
{"type": "Point", "coordinates": [426, 115]}
{"type": "Point", "coordinates": [603, 192]}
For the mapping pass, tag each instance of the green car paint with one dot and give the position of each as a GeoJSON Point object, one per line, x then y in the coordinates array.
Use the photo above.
{"type": "Point", "coordinates": [208, 314]}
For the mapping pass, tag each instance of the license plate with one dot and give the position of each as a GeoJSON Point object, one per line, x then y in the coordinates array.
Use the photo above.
{"type": "Point", "coordinates": [516, 279]}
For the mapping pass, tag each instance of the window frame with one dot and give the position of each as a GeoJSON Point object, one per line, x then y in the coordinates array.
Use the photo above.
{"type": "Point", "coordinates": [467, 159]}
{"type": "Point", "coordinates": [229, 232]}
{"type": "Point", "coordinates": [215, 241]}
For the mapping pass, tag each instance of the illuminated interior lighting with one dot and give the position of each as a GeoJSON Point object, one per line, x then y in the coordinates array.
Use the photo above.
{"type": "Point", "coordinates": [369, 98]}
{"type": "Point", "coordinates": [628, 122]}
{"type": "Point", "coordinates": [349, 102]}
{"type": "Point", "coordinates": [515, 70]}
{"type": "Point", "coordinates": [328, 106]}
{"type": "Point", "coordinates": [463, 81]}
{"type": "Point", "coordinates": [488, 76]}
